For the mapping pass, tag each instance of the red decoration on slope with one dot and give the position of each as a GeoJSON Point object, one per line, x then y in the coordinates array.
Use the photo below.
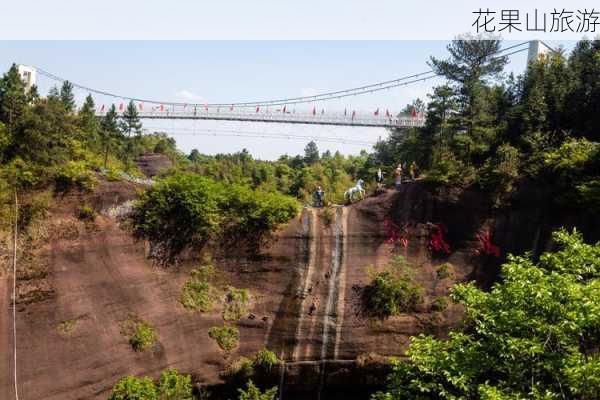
{"type": "Point", "coordinates": [485, 244]}
{"type": "Point", "coordinates": [437, 240]}
{"type": "Point", "coordinates": [396, 234]}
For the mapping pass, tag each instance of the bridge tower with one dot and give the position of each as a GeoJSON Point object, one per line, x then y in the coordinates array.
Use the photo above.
{"type": "Point", "coordinates": [28, 75]}
{"type": "Point", "coordinates": [537, 49]}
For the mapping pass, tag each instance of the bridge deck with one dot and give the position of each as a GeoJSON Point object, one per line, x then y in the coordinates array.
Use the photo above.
{"type": "Point", "coordinates": [339, 119]}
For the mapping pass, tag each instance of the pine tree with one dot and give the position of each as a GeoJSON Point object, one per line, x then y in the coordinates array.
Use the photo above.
{"type": "Point", "coordinates": [130, 123]}
{"type": "Point", "coordinates": [472, 61]}
{"type": "Point", "coordinates": [66, 96]}
{"type": "Point", "coordinates": [311, 153]}
{"type": "Point", "coordinates": [441, 110]}
{"type": "Point", "coordinates": [87, 119]}
{"type": "Point", "coordinates": [109, 129]}
{"type": "Point", "coordinates": [13, 99]}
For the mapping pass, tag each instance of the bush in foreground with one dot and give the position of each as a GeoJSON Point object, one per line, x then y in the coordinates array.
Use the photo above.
{"type": "Point", "coordinates": [535, 335]}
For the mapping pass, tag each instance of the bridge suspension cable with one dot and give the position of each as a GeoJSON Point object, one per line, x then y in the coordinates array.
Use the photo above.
{"type": "Point", "coordinates": [366, 89]}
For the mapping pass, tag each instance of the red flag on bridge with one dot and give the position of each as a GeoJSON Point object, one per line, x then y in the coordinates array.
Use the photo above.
{"type": "Point", "coordinates": [414, 112]}
{"type": "Point", "coordinates": [162, 108]}
{"type": "Point", "coordinates": [141, 106]}
{"type": "Point", "coordinates": [376, 113]}
{"type": "Point", "coordinates": [206, 107]}
{"type": "Point", "coordinates": [102, 109]}
{"type": "Point", "coordinates": [284, 107]}
{"type": "Point", "coordinates": [257, 108]}
{"type": "Point", "coordinates": [121, 107]}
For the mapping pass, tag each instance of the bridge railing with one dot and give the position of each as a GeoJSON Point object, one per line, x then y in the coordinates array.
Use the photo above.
{"type": "Point", "coordinates": [318, 118]}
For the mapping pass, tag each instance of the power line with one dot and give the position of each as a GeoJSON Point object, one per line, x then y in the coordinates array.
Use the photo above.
{"type": "Point", "coordinates": [251, 134]}
{"type": "Point", "coordinates": [366, 89]}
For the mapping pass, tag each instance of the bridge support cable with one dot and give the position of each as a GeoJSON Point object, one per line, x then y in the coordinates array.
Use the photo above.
{"type": "Point", "coordinates": [365, 89]}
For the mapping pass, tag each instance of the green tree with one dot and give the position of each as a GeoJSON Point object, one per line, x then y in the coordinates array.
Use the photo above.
{"type": "Point", "coordinates": [109, 131]}
{"type": "Point", "coordinates": [473, 60]}
{"type": "Point", "coordinates": [67, 98]}
{"type": "Point", "coordinates": [535, 334]}
{"type": "Point", "coordinates": [5, 142]}
{"type": "Point", "coordinates": [13, 99]}
{"type": "Point", "coordinates": [174, 386]}
{"type": "Point", "coordinates": [87, 120]}
{"type": "Point", "coordinates": [252, 392]}
{"type": "Point", "coordinates": [130, 124]}
{"type": "Point", "coordinates": [133, 388]}
{"type": "Point", "coordinates": [311, 153]}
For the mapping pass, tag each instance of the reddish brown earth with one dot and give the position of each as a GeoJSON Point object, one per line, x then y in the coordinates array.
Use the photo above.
{"type": "Point", "coordinates": [98, 276]}
{"type": "Point", "coordinates": [151, 164]}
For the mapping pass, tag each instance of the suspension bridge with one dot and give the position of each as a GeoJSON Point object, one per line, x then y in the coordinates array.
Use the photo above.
{"type": "Point", "coordinates": [283, 110]}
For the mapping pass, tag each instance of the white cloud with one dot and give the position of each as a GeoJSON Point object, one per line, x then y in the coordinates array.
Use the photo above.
{"type": "Point", "coordinates": [190, 96]}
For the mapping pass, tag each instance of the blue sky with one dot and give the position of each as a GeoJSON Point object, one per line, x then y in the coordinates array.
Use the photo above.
{"type": "Point", "coordinates": [231, 71]}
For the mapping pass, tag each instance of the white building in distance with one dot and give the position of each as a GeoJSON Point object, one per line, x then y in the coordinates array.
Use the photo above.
{"type": "Point", "coordinates": [28, 75]}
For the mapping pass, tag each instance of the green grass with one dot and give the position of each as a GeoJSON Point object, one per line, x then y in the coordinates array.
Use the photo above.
{"type": "Point", "coordinates": [227, 337]}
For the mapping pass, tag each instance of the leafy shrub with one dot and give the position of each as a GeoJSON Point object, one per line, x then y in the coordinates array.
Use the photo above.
{"type": "Point", "coordinates": [86, 213]}
{"type": "Point", "coordinates": [266, 360]}
{"type": "Point", "coordinates": [236, 301]}
{"type": "Point", "coordinates": [444, 271]}
{"type": "Point", "coordinates": [33, 209]}
{"type": "Point", "coordinates": [439, 304]}
{"type": "Point", "coordinates": [186, 211]}
{"type": "Point", "coordinates": [499, 172]}
{"type": "Point", "coordinates": [133, 388]}
{"type": "Point", "coordinates": [570, 155]}
{"type": "Point", "coordinates": [197, 293]}
{"type": "Point", "coordinates": [141, 335]}
{"type": "Point", "coordinates": [66, 327]}
{"type": "Point", "coordinates": [535, 332]}
{"type": "Point", "coordinates": [389, 294]}
{"type": "Point", "coordinates": [174, 386]}
{"type": "Point", "coordinates": [240, 369]}
{"type": "Point", "coordinates": [227, 337]}
{"type": "Point", "coordinates": [74, 175]}
{"type": "Point", "coordinates": [450, 171]}
{"type": "Point", "coordinates": [171, 386]}
{"type": "Point", "coordinates": [254, 393]}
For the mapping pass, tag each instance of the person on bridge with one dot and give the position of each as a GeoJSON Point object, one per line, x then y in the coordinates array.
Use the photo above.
{"type": "Point", "coordinates": [398, 176]}
{"type": "Point", "coordinates": [319, 197]}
